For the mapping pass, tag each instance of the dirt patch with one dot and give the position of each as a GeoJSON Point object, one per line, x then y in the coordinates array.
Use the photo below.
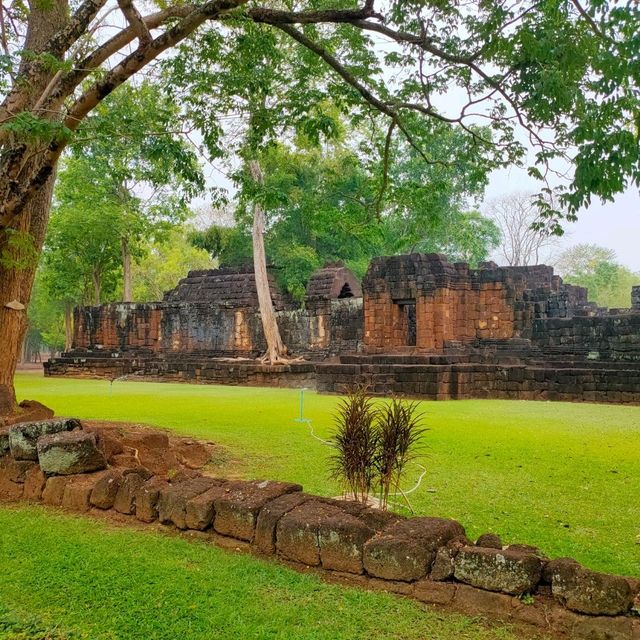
{"type": "Point", "coordinates": [130, 445]}
{"type": "Point", "coordinates": [26, 411]}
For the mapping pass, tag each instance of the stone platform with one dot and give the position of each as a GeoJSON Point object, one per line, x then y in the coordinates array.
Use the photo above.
{"type": "Point", "coordinates": [441, 376]}
{"type": "Point", "coordinates": [180, 368]}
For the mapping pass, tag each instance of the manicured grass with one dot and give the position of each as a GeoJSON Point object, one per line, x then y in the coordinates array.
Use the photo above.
{"type": "Point", "coordinates": [564, 477]}
{"type": "Point", "coordinates": [72, 577]}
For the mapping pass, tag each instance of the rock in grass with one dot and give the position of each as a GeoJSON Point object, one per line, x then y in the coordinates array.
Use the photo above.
{"type": "Point", "coordinates": [23, 437]}
{"type": "Point", "coordinates": [509, 571]}
{"type": "Point", "coordinates": [587, 591]}
{"type": "Point", "coordinates": [69, 452]}
{"type": "Point", "coordinates": [4, 441]}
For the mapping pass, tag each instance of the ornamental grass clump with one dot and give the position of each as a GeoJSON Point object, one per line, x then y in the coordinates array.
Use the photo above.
{"type": "Point", "coordinates": [398, 433]}
{"type": "Point", "coordinates": [373, 445]}
{"type": "Point", "coordinates": [355, 443]}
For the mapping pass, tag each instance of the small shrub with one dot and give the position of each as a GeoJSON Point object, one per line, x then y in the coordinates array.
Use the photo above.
{"type": "Point", "coordinates": [374, 445]}
{"type": "Point", "coordinates": [355, 443]}
{"type": "Point", "coordinates": [398, 433]}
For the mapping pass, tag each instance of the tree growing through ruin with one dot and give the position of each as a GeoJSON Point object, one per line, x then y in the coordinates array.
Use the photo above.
{"type": "Point", "coordinates": [541, 69]}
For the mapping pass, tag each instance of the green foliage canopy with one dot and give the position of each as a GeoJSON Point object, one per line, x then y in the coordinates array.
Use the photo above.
{"type": "Point", "coordinates": [596, 268]}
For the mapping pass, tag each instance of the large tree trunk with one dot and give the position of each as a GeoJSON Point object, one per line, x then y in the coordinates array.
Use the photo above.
{"type": "Point", "coordinates": [16, 283]}
{"type": "Point", "coordinates": [127, 284]}
{"type": "Point", "coordinates": [276, 351]}
{"type": "Point", "coordinates": [19, 260]}
{"type": "Point", "coordinates": [68, 326]}
{"type": "Point", "coordinates": [97, 287]}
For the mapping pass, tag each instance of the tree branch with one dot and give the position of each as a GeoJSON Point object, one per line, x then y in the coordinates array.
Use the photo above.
{"type": "Point", "coordinates": [276, 17]}
{"type": "Point", "coordinates": [590, 21]}
{"type": "Point", "coordinates": [136, 21]}
{"type": "Point", "coordinates": [348, 77]}
{"type": "Point", "coordinates": [71, 80]}
{"type": "Point", "coordinates": [18, 99]}
{"type": "Point", "coordinates": [20, 191]}
{"type": "Point", "coordinates": [385, 167]}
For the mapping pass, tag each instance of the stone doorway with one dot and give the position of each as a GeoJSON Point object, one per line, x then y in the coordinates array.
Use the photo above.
{"type": "Point", "coordinates": [408, 310]}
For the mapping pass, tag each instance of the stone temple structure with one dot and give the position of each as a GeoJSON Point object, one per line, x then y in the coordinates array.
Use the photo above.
{"type": "Point", "coordinates": [419, 326]}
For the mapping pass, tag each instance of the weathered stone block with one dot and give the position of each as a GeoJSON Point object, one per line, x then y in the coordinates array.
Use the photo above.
{"type": "Point", "coordinates": [434, 592]}
{"type": "Point", "coordinates": [269, 516]}
{"type": "Point", "coordinates": [602, 628]}
{"type": "Point", "coordinates": [125, 501]}
{"type": "Point", "coordinates": [397, 558]}
{"type": "Point", "coordinates": [587, 591]}
{"type": "Point", "coordinates": [105, 490]}
{"type": "Point", "coordinates": [9, 490]}
{"type": "Point", "coordinates": [297, 531]}
{"type": "Point", "coordinates": [342, 538]}
{"type": "Point", "coordinates": [480, 602]}
{"type": "Point", "coordinates": [4, 441]}
{"type": "Point", "coordinates": [172, 504]}
{"type": "Point", "coordinates": [54, 490]}
{"type": "Point", "coordinates": [489, 541]}
{"type": "Point", "coordinates": [200, 510]}
{"type": "Point", "coordinates": [69, 453]}
{"type": "Point", "coordinates": [192, 454]}
{"type": "Point", "coordinates": [77, 492]}
{"type": "Point", "coordinates": [511, 572]}
{"type": "Point", "coordinates": [147, 497]}
{"type": "Point", "coordinates": [34, 484]}
{"type": "Point", "coordinates": [236, 510]}
{"type": "Point", "coordinates": [17, 470]}
{"type": "Point", "coordinates": [24, 436]}
{"type": "Point", "coordinates": [405, 549]}
{"type": "Point", "coordinates": [443, 564]}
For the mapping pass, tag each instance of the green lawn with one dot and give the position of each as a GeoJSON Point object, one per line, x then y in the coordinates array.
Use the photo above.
{"type": "Point", "coordinates": [565, 477]}
{"type": "Point", "coordinates": [66, 577]}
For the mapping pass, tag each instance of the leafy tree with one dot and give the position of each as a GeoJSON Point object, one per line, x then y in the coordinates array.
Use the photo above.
{"type": "Point", "coordinates": [164, 263]}
{"type": "Point", "coordinates": [145, 178]}
{"type": "Point", "coordinates": [596, 268]}
{"type": "Point", "coordinates": [322, 205]}
{"type": "Point", "coordinates": [46, 321]}
{"type": "Point", "coordinates": [470, 237]}
{"type": "Point", "coordinates": [562, 73]}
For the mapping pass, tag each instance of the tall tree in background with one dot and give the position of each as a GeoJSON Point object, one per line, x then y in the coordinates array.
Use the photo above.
{"type": "Point", "coordinates": [323, 204]}
{"type": "Point", "coordinates": [540, 68]}
{"type": "Point", "coordinates": [526, 237]}
{"type": "Point", "coordinates": [597, 268]}
{"type": "Point", "coordinates": [143, 180]}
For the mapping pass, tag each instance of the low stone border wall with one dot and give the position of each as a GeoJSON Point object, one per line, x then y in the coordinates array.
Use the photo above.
{"type": "Point", "coordinates": [568, 382]}
{"type": "Point", "coordinates": [58, 463]}
{"type": "Point", "coordinates": [190, 369]}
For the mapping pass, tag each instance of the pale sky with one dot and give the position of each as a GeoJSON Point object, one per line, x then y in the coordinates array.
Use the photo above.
{"type": "Point", "coordinates": [614, 225]}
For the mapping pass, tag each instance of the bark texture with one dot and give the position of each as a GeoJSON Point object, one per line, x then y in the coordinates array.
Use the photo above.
{"type": "Point", "coordinates": [276, 351]}
{"type": "Point", "coordinates": [21, 242]}
{"type": "Point", "coordinates": [127, 279]}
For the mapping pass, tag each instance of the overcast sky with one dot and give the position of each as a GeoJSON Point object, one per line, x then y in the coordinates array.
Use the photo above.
{"type": "Point", "coordinates": [614, 225]}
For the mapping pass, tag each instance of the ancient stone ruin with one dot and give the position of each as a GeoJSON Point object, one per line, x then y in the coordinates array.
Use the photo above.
{"type": "Point", "coordinates": [87, 469]}
{"type": "Point", "coordinates": [419, 326]}
{"type": "Point", "coordinates": [210, 317]}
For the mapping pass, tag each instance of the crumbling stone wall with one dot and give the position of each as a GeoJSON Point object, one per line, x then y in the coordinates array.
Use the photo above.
{"type": "Point", "coordinates": [603, 337]}
{"type": "Point", "coordinates": [61, 463]}
{"type": "Point", "coordinates": [329, 328]}
{"type": "Point", "coordinates": [491, 332]}
{"type": "Point", "coordinates": [423, 301]}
